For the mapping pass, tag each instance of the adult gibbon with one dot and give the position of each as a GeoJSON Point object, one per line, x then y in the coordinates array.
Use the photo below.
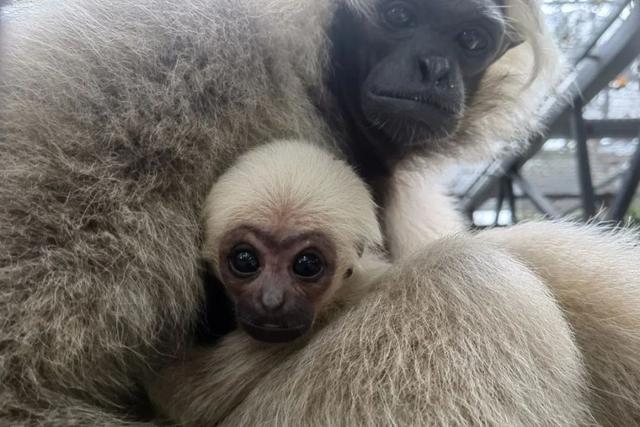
{"type": "Point", "coordinates": [116, 118]}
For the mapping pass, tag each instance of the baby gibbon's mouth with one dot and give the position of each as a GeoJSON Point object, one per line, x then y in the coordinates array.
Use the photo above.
{"type": "Point", "coordinates": [273, 333]}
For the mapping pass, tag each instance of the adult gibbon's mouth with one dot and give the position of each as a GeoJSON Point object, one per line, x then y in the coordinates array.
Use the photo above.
{"type": "Point", "coordinates": [416, 97]}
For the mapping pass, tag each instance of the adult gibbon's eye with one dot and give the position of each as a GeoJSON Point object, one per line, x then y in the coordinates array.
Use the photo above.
{"type": "Point", "coordinates": [398, 15]}
{"type": "Point", "coordinates": [308, 265]}
{"type": "Point", "coordinates": [473, 40]}
{"type": "Point", "coordinates": [243, 261]}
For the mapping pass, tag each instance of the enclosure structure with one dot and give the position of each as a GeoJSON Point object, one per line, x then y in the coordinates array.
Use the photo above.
{"type": "Point", "coordinates": [587, 161]}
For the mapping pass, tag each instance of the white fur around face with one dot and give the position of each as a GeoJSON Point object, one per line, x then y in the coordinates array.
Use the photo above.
{"type": "Point", "coordinates": [297, 185]}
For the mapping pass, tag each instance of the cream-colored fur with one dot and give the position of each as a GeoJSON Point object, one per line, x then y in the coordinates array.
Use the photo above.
{"type": "Point", "coordinates": [532, 325]}
{"type": "Point", "coordinates": [285, 186]}
{"type": "Point", "coordinates": [115, 119]}
{"type": "Point", "coordinates": [457, 334]}
{"type": "Point", "coordinates": [418, 210]}
{"type": "Point", "coordinates": [594, 275]}
{"type": "Point", "coordinates": [292, 185]}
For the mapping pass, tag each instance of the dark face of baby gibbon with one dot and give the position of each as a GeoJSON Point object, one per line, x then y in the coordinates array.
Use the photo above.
{"type": "Point", "coordinates": [276, 280]}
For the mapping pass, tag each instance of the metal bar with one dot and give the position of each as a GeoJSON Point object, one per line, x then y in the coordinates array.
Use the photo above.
{"type": "Point", "coordinates": [593, 73]}
{"type": "Point", "coordinates": [628, 189]}
{"type": "Point", "coordinates": [610, 20]}
{"type": "Point", "coordinates": [537, 198]}
{"type": "Point", "coordinates": [601, 195]}
{"type": "Point", "coordinates": [499, 202]}
{"type": "Point", "coordinates": [511, 197]}
{"type": "Point", "coordinates": [609, 128]}
{"type": "Point", "coordinates": [582, 156]}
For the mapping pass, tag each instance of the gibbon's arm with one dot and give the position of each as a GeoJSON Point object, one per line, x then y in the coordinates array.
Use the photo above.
{"type": "Point", "coordinates": [417, 211]}
{"type": "Point", "coordinates": [206, 384]}
{"type": "Point", "coordinates": [64, 410]}
{"type": "Point", "coordinates": [594, 274]}
{"type": "Point", "coordinates": [457, 334]}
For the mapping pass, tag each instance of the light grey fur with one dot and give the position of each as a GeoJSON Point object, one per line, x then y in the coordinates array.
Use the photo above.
{"type": "Point", "coordinates": [117, 116]}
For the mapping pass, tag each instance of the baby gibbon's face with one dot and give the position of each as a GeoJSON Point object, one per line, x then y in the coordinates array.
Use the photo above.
{"type": "Point", "coordinates": [277, 280]}
{"type": "Point", "coordinates": [283, 227]}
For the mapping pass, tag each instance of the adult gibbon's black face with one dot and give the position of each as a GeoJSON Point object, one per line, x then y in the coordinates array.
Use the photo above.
{"type": "Point", "coordinates": [405, 76]}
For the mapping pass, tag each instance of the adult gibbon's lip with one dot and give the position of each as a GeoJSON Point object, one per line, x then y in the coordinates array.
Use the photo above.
{"type": "Point", "coordinates": [414, 97]}
{"type": "Point", "coordinates": [273, 333]}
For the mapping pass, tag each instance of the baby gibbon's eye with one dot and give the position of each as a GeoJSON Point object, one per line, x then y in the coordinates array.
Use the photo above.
{"type": "Point", "coordinates": [308, 265]}
{"type": "Point", "coordinates": [243, 261]}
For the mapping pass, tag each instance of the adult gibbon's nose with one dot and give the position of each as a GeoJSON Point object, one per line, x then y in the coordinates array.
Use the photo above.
{"type": "Point", "coordinates": [435, 70]}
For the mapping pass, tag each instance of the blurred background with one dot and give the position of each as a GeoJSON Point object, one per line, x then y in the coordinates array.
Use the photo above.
{"type": "Point", "coordinates": [588, 162]}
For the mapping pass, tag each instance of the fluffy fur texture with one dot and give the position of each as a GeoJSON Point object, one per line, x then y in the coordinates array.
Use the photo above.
{"type": "Point", "coordinates": [115, 119]}
{"type": "Point", "coordinates": [291, 187]}
{"type": "Point", "coordinates": [117, 116]}
{"type": "Point", "coordinates": [446, 337]}
{"type": "Point", "coordinates": [296, 186]}
{"type": "Point", "coordinates": [594, 275]}
{"type": "Point", "coordinates": [500, 332]}
{"type": "Point", "coordinates": [418, 210]}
